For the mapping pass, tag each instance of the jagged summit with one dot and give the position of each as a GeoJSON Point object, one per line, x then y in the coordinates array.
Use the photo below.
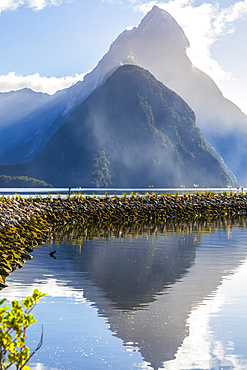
{"type": "Point", "coordinates": [157, 44]}
{"type": "Point", "coordinates": [155, 18]}
{"type": "Point", "coordinates": [158, 20]}
{"type": "Point", "coordinates": [157, 25]}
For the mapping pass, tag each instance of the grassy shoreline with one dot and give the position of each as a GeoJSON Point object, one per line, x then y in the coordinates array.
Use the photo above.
{"type": "Point", "coordinates": [26, 223]}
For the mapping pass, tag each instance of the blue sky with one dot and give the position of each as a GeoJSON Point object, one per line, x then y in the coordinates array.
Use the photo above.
{"type": "Point", "coordinates": [49, 44]}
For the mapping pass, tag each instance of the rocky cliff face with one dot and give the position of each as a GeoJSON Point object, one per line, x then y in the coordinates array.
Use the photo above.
{"type": "Point", "coordinates": [131, 131]}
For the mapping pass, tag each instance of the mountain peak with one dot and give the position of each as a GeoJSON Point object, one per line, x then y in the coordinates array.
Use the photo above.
{"type": "Point", "coordinates": [157, 20]}
{"type": "Point", "coordinates": [158, 13]}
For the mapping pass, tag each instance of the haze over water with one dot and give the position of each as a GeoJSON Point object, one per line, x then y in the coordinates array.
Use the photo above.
{"type": "Point", "coordinates": [157, 296]}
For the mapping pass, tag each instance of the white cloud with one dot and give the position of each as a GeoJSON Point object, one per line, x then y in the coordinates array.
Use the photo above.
{"type": "Point", "coordinates": [49, 85]}
{"type": "Point", "coordinates": [40, 4]}
{"type": "Point", "coordinates": [10, 4]}
{"type": "Point", "coordinates": [33, 4]}
{"type": "Point", "coordinates": [203, 26]}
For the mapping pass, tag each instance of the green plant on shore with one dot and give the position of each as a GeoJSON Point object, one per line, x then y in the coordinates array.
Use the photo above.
{"type": "Point", "coordinates": [125, 195]}
{"type": "Point", "coordinates": [147, 195]}
{"type": "Point", "coordinates": [176, 194]}
{"type": "Point", "coordinates": [132, 195]}
{"type": "Point", "coordinates": [59, 196]}
{"type": "Point", "coordinates": [13, 326]}
{"type": "Point", "coordinates": [224, 193]}
{"type": "Point", "coordinates": [230, 193]}
{"type": "Point", "coordinates": [168, 195]}
{"type": "Point", "coordinates": [155, 194]}
{"type": "Point", "coordinates": [2, 199]}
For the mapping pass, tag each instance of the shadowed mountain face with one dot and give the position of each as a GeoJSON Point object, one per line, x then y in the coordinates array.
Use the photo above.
{"type": "Point", "coordinates": [150, 269]}
{"type": "Point", "coordinates": [132, 131]}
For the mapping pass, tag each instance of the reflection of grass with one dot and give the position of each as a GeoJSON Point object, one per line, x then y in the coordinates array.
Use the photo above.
{"type": "Point", "coordinates": [91, 231]}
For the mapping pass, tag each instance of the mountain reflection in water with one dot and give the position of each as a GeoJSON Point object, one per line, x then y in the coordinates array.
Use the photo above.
{"type": "Point", "coordinates": [144, 279]}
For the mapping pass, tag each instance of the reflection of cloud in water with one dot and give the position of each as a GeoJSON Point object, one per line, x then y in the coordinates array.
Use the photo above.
{"type": "Point", "coordinates": [56, 288]}
{"type": "Point", "coordinates": [203, 347]}
{"type": "Point", "coordinates": [39, 366]}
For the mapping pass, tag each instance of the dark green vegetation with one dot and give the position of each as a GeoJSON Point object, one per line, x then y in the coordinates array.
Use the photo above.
{"type": "Point", "coordinates": [22, 181]}
{"type": "Point", "coordinates": [39, 218]}
{"type": "Point", "coordinates": [146, 131]}
{"type": "Point", "coordinates": [101, 174]}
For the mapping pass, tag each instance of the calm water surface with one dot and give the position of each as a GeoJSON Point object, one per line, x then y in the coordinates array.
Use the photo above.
{"type": "Point", "coordinates": [155, 297]}
{"type": "Point", "coordinates": [63, 192]}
